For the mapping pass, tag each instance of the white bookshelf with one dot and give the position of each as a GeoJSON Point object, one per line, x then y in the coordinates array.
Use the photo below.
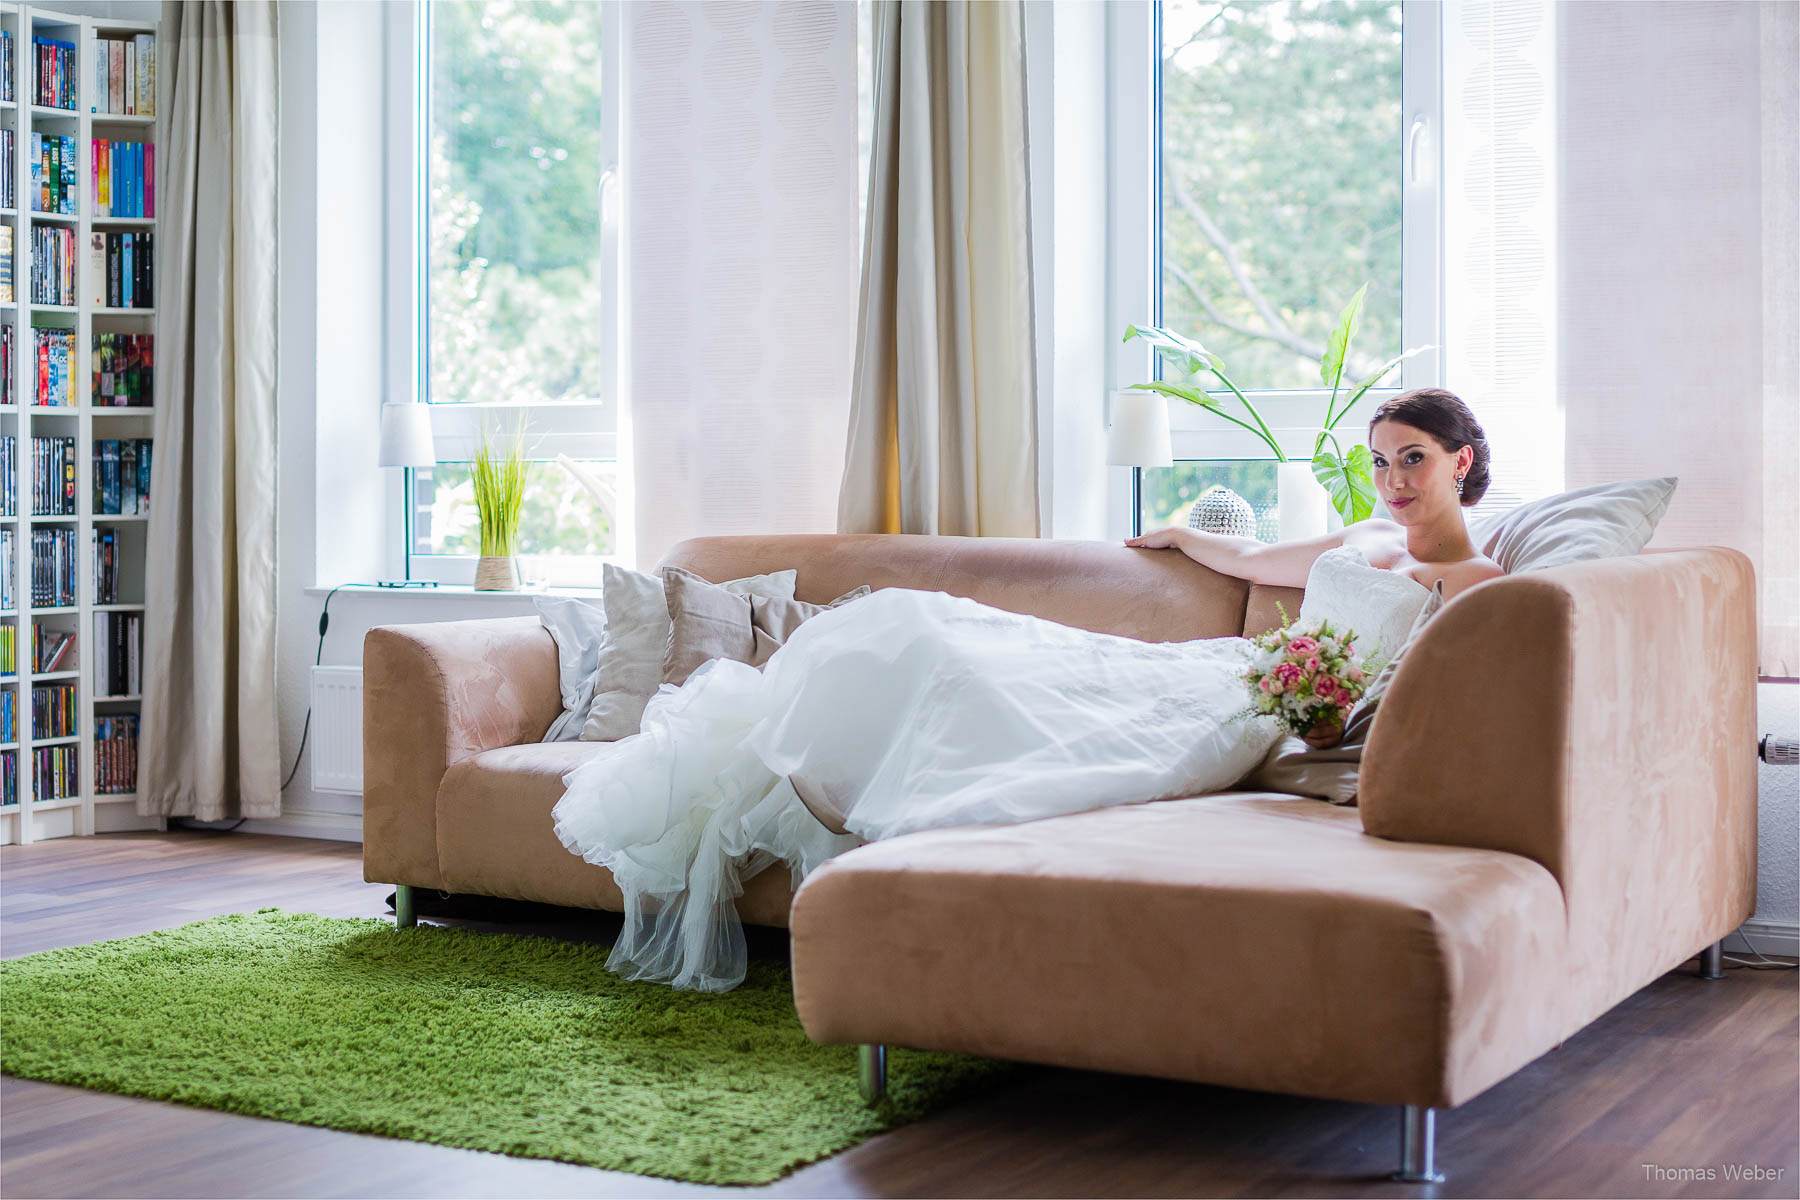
{"type": "Point", "coordinates": [83, 811]}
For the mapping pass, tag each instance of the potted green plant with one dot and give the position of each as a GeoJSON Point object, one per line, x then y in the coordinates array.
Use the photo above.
{"type": "Point", "coordinates": [498, 475]}
{"type": "Point", "coordinates": [1347, 476]}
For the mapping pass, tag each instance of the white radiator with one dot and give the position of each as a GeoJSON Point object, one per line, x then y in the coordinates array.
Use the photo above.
{"type": "Point", "coordinates": [336, 738]}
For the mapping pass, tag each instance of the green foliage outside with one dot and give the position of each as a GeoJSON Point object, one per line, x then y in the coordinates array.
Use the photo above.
{"type": "Point", "coordinates": [1280, 198]}
{"type": "Point", "coordinates": [514, 274]}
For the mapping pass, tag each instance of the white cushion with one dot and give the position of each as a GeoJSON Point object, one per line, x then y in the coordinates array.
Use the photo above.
{"type": "Point", "coordinates": [579, 627]}
{"type": "Point", "coordinates": [637, 632]}
{"type": "Point", "coordinates": [1604, 520]}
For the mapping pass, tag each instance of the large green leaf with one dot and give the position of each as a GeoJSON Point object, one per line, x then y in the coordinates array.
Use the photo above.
{"type": "Point", "coordinates": [1192, 395]}
{"type": "Point", "coordinates": [1183, 353]}
{"type": "Point", "coordinates": [1331, 366]}
{"type": "Point", "coordinates": [1350, 480]}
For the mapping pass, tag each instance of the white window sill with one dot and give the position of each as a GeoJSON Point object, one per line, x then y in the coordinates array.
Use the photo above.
{"type": "Point", "coordinates": [454, 591]}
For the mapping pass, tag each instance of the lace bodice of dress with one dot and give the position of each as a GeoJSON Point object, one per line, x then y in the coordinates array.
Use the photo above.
{"type": "Point", "coordinates": [1379, 605]}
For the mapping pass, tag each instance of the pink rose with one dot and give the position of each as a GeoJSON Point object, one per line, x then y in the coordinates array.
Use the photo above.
{"type": "Point", "coordinates": [1303, 645]}
{"type": "Point", "coordinates": [1325, 685]}
{"type": "Point", "coordinates": [1312, 664]}
{"type": "Point", "coordinates": [1264, 684]}
{"type": "Point", "coordinates": [1344, 697]}
{"type": "Point", "coordinates": [1353, 673]}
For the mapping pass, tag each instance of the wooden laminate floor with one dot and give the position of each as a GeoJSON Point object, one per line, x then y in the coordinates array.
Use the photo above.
{"type": "Point", "coordinates": [1685, 1074]}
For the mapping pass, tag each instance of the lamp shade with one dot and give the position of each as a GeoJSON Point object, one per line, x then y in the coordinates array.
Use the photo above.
{"type": "Point", "coordinates": [406, 436]}
{"type": "Point", "coordinates": [1139, 433]}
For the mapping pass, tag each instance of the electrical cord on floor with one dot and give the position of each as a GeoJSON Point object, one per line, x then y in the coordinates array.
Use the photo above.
{"type": "Point", "coordinates": [1764, 963]}
{"type": "Point", "coordinates": [305, 727]}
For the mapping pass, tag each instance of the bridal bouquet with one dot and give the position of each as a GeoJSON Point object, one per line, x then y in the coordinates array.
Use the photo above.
{"type": "Point", "coordinates": [1307, 676]}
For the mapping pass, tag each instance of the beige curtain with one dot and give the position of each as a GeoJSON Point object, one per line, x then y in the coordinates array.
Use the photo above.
{"type": "Point", "coordinates": [209, 747]}
{"type": "Point", "coordinates": [943, 421]}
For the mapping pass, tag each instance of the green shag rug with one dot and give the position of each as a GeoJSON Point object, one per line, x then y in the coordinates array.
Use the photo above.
{"type": "Point", "coordinates": [519, 1045]}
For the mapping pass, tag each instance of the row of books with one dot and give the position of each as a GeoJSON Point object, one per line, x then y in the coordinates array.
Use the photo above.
{"type": "Point", "coordinates": [53, 710]}
{"type": "Point", "coordinates": [124, 368]}
{"type": "Point", "coordinates": [9, 654]}
{"type": "Point", "coordinates": [53, 264]}
{"type": "Point", "coordinates": [106, 564]}
{"type": "Point", "coordinates": [55, 73]}
{"type": "Point", "coordinates": [8, 501]}
{"type": "Point", "coordinates": [54, 351]}
{"type": "Point", "coordinates": [6, 65]}
{"type": "Point", "coordinates": [53, 477]}
{"type": "Point", "coordinates": [54, 772]}
{"type": "Point", "coordinates": [9, 716]}
{"type": "Point", "coordinates": [124, 178]}
{"type": "Point", "coordinates": [9, 772]}
{"type": "Point", "coordinates": [6, 265]}
{"type": "Point", "coordinates": [54, 172]}
{"type": "Point", "coordinates": [115, 753]}
{"type": "Point", "coordinates": [121, 476]}
{"type": "Point", "coordinates": [125, 75]}
{"type": "Point", "coordinates": [9, 554]}
{"type": "Point", "coordinates": [9, 182]}
{"type": "Point", "coordinates": [117, 637]}
{"type": "Point", "coordinates": [52, 649]}
{"type": "Point", "coordinates": [53, 568]}
{"type": "Point", "coordinates": [122, 269]}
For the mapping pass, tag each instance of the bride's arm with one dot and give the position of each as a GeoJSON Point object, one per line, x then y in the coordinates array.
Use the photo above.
{"type": "Point", "coordinates": [1284, 564]}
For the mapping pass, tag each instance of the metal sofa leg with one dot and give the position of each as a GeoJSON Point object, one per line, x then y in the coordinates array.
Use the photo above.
{"type": "Point", "coordinates": [405, 914]}
{"type": "Point", "coordinates": [1712, 961]}
{"type": "Point", "coordinates": [871, 1072]}
{"type": "Point", "coordinates": [1417, 1133]}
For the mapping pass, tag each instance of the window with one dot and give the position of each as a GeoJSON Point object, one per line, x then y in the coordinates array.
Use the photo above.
{"type": "Point", "coordinates": [1279, 154]}
{"type": "Point", "coordinates": [514, 150]}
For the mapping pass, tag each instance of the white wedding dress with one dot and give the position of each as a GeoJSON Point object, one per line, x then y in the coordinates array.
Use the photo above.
{"type": "Point", "coordinates": [912, 710]}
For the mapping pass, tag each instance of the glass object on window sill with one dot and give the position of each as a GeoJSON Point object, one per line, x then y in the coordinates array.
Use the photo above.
{"type": "Point", "coordinates": [1170, 492]}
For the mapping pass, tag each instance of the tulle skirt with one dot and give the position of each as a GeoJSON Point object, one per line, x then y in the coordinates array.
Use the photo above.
{"type": "Point", "coordinates": [907, 710]}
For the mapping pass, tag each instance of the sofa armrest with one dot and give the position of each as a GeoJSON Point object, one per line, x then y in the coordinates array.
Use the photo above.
{"type": "Point", "coordinates": [434, 694]}
{"type": "Point", "coordinates": [1599, 718]}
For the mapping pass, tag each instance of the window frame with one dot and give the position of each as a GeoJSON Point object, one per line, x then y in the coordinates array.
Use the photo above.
{"type": "Point", "coordinates": [583, 430]}
{"type": "Point", "coordinates": [1134, 243]}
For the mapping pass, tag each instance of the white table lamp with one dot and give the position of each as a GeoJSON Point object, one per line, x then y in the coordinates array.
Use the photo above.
{"type": "Point", "coordinates": [406, 442]}
{"type": "Point", "coordinates": [1138, 437]}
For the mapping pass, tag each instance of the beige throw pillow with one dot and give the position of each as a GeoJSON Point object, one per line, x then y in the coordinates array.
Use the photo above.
{"type": "Point", "coordinates": [1293, 767]}
{"type": "Point", "coordinates": [637, 632]}
{"type": "Point", "coordinates": [707, 621]}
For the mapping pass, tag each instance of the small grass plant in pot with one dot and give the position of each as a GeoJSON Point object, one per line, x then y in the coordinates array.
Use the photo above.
{"type": "Point", "coordinates": [498, 474]}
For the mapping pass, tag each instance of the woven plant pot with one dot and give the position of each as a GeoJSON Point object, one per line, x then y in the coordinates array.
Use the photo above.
{"type": "Point", "coordinates": [497, 573]}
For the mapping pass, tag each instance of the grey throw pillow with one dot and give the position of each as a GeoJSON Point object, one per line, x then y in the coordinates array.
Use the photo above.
{"type": "Point", "coordinates": [707, 621]}
{"type": "Point", "coordinates": [637, 633]}
{"type": "Point", "coordinates": [578, 628]}
{"type": "Point", "coordinates": [1293, 767]}
{"type": "Point", "coordinates": [1604, 520]}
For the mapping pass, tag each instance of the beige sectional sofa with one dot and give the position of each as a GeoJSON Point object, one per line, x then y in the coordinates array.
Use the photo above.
{"type": "Point", "coordinates": [1558, 804]}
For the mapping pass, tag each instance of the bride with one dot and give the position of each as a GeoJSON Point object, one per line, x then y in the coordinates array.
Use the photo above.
{"type": "Point", "coordinates": [908, 710]}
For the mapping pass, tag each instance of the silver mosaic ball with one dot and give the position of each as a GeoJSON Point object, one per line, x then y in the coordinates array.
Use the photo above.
{"type": "Point", "coordinates": [1221, 510]}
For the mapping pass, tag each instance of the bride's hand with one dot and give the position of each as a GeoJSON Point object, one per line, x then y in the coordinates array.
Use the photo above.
{"type": "Point", "coordinates": [1324, 737]}
{"type": "Point", "coordinates": [1157, 539]}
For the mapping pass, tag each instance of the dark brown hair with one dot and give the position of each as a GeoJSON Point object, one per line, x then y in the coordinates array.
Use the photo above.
{"type": "Point", "coordinates": [1451, 425]}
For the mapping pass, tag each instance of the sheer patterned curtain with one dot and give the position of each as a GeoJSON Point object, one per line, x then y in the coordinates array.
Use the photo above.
{"type": "Point", "coordinates": [1679, 260]}
{"type": "Point", "coordinates": [209, 747]}
{"type": "Point", "coordinates": [1621, 262]}
{"type": "Point", "coordinates": [943, 418]}
{"type": "Point", "coordinates": [738, 171]}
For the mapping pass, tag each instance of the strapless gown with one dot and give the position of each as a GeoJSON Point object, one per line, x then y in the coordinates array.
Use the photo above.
{"type": "Point", "coordinates": [910, 710]}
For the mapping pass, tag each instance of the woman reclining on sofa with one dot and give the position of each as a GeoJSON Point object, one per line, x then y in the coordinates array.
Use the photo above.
{"type": "Point", "coordinates": [908, 710]}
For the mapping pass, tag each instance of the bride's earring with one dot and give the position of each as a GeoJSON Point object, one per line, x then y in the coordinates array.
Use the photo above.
{"type": "Point", "coordinates": [1459, 480]}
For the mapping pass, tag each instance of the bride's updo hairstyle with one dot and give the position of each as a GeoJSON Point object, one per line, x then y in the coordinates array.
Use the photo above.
{"type": "Point", "coordinates": [1451, 425]}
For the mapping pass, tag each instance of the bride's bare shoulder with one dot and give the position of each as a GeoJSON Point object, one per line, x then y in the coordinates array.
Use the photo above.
{"type": "Point", "coordinates": [1381, 540]}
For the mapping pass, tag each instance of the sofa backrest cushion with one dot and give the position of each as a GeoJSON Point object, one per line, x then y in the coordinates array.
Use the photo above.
{"type": "Point", "coordinates": [1154, 595]}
